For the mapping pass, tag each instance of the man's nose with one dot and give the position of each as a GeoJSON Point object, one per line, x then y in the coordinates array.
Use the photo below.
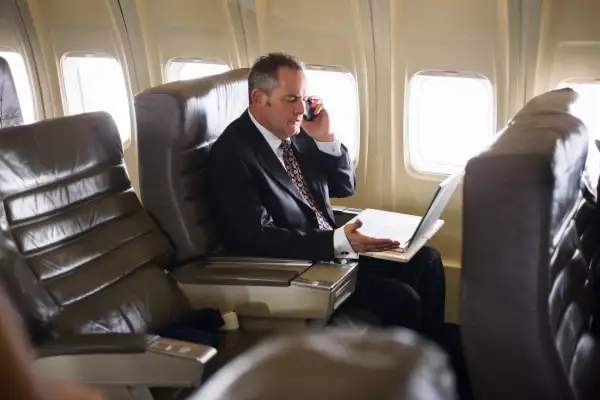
{"type": "Point", "coordinates": [299, 108]}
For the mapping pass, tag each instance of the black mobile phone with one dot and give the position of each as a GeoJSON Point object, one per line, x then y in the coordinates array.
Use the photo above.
{"type": "Point", "coordinates": [309, 115]}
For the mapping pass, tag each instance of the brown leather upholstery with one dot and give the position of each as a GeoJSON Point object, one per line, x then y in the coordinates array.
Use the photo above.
{"type": "Point", "coordinates": [338, 364]}
{"type": "Point", "coordinates": [527, 301]}
{"type": "Point", "coordinates": [176, 124]}
{"type": "Point", "coordinates": [78, 252]}
{"type": "Point", "coordinates": [10, 109]}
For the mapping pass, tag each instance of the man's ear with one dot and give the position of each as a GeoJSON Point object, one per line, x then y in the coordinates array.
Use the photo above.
{"type": "Point", "coordinates": [256, 96]}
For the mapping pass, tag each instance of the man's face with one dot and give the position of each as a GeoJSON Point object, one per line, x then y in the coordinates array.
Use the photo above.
{"type": "Point", "coordinates": [282, 108]}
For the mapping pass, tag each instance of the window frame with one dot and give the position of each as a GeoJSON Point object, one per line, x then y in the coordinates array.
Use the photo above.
{"type": "Point", "coordinates": [593, 156]}
{"type": "Point", "coordinates": [190, 60]}
{"type": "Point", "coordinates": [30, 82]}
{"type": "Point", "coordinates": [442, 170]}
{"type": "Point", "coordinates": [128, 91]}
{"type": "Point", "coordinates": [577, 81]}
{"type": "Point", "coordinates": [331, 68]}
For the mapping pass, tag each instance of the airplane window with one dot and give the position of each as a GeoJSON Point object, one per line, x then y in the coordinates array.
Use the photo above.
{"type": "Point", "coordinates": [339, 92]}
{"type": "Point", "coordinates": [22, 83]}
{"type": "Point", "coordinates": [587, 108]}
{"type": "Point", "coordinates": [450, 119]}
{"type": "Point", "coordinates": [183, 69]}
{"type": "Point", "coordinates": [96, 83]}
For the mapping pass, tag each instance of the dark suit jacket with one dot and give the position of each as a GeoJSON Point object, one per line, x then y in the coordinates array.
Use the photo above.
{"type": "Point", "coordinates": [258, 209]}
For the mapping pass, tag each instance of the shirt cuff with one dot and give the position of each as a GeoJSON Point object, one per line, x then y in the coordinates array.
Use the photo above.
{"type": "Point", "coordinates": [341, 245]}
{"type": "Point", "coordinates": [332, 148]}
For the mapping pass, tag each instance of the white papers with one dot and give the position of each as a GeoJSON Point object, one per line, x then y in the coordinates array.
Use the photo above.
{"type": "Point", "coordinates": [388, 225]}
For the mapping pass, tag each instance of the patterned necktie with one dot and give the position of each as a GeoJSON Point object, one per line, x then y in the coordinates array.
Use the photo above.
{"type": "Point", "coordinates": [293, 169]}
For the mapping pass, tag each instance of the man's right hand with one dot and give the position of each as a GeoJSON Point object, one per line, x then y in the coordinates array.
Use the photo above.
{"type": "Point", "coordinates": [361, 243]}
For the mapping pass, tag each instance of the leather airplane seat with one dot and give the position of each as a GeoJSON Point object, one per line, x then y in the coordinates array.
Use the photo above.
{"type": "Point", "coordinates": [83, 262]}
{"type": "Point", "coordinates": [527, 307]}
{"type": "Point", "coordinates": [336, 364]}
{"type": "Point", "coordinates": [176, 125]}
{"type": "Point", "coordinates": [10, 108]}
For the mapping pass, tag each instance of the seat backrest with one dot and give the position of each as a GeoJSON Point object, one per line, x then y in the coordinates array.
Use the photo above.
{"type": "Point", "coordinates": [527, 303]}
{"type": "Point", "coordinates": [78, 253]}
{"type": "Point", "coordinates": [10, 108]}
{"type": "Point", "coordinates": [336, 365]}
{"type": "Point", "coordinates": [176, 124]}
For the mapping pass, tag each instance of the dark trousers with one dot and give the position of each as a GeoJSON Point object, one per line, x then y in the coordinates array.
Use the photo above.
{"type": "Point", "coordinates": [409, 294]}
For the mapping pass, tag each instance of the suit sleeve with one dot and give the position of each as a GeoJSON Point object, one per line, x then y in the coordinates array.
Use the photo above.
{"type": "Point", "coordinates": [245, 224]}
{"type": "Point", "coordinates": [338, 168]}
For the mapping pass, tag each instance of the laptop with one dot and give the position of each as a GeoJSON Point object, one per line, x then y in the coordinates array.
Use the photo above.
{"type": "Point", "coordinates": [406, 228]}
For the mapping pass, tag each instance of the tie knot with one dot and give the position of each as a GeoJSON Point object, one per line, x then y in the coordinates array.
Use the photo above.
{"type": "Point", "coordinates": [285, 145]}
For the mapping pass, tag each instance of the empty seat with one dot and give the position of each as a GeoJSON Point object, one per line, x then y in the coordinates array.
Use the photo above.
{"type": "Point", "coordinates": [80, 256]}
{"type": "Point", "coordinates": [176, 125]}
{"type": "Point", "coordinates": [527, 304]}
{"type": "Point", "coordinates": [10, 109]}
{"type": "Point", "coordinates": [336, 364]}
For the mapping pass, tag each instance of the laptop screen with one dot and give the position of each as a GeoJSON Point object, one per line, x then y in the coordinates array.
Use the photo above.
{"type": "Point", "coordinates": [438, 204]}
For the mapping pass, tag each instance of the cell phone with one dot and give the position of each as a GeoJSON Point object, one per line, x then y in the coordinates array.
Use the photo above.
{"type": "Point", "coordinates": [309, 115]}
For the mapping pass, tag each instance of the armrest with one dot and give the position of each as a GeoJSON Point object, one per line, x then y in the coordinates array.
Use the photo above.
{"type": "Point", "coordinates": [195, 273]}
{"type": "Point", "coordinates": [284, 262]}
{"type": "Point", "coordinates": [105, 343]}
{"type": "Point", "coordinates": [163, 363]}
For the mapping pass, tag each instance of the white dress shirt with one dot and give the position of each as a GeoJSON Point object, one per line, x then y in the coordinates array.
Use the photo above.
{"type": "Point", "coordinates": [341, 246]}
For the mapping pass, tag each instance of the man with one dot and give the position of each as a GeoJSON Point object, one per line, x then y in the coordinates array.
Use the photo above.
{"type": "Point", "coordinates": [271, 174]}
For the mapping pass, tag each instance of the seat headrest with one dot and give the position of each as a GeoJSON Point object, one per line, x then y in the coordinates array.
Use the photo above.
{"type": "Point", "coordinates": [10, 108]}
{"type": "Point", "coordinates": [544, 146]}
{"type": "Point", "coordinates": [558, 101]}
{"type": "Point", "coordinates": [176, 124]}
{"type": "Point", "coordinates": [47, 151]}
{"type": "Point", "coordinates": [336, 364]}
{"type": "Point", "coordinates": [198, 109]}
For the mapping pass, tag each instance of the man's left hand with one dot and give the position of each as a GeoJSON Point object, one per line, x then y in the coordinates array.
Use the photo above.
{"type": "Point", "coordinates": [318, 128]}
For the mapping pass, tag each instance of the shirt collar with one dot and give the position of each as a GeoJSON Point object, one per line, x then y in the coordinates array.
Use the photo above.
{"type": "Point", "coordinates": [273, 141]}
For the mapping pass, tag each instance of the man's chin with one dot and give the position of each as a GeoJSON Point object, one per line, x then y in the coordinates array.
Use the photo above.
{"type": "Point", "coordinates": [293, 132]}
{"type": "Point", "coordinates": [291, 129]}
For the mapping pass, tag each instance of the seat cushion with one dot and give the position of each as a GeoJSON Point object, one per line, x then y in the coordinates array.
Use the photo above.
{"type": "Point", "coordinates": [336, 364]}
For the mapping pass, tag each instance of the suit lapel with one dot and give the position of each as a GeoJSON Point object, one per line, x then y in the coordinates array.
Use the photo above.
{"type": "Point", "coordinates": [269, 161]}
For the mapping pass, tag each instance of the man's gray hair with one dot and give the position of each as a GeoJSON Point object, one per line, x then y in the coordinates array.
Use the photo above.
{"type": "Point", "coordinates": [263, 74]}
